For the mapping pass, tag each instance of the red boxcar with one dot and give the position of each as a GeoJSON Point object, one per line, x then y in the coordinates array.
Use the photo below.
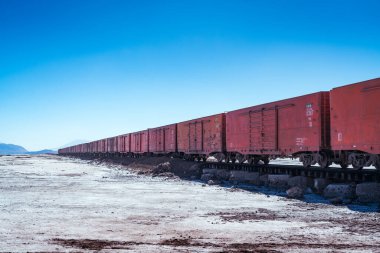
{"type": "Point", "coordinates": [355, 124]}
{"type": "Point", "coordinates": [103, 146]}
{"type": "Point", "coordinates": [123, 143]}
{"type": "Point", "coordinates": [112, 145]}
{"type": "Point", "coordinates": [293, 127]}
{"type": "Point", "coordinates": [199, 138]}
{"type": "Point", "coordinates": [163, 140]}
{"type": "Point", "coordinates": [140, 142]}
{"type": "Point", "coordinates": [93, 147]}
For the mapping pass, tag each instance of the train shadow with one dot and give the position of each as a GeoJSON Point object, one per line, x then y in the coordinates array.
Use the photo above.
{"type": "Point", "coordinates": [309, 197]}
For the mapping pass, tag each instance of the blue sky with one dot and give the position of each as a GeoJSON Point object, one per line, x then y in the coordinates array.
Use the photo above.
{"type": "Point", "coordinates": [92, 69]}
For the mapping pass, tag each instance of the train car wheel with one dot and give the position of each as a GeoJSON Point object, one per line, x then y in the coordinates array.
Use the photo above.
{"type": "Point", "coordinates": [324, 161]}
{"type": "Point", "coordinates": [219, 157]}
{"type": "Point", "coordinates": [265, 160]}
{"type": "Point", "coordinates": [357, 166]}
{"type": "Point", "coordinates": [306, 160]}
{"type": "Point", "coordinates": [343, 165]}
{"type": "Point", "coordinates": [306, 164]}
{"type": "Point", "coordinates": [376, 161]}
{"type": "Point", "coordinates": [358, 161]}
{"type": "Point", "coordinates": [377, 164]}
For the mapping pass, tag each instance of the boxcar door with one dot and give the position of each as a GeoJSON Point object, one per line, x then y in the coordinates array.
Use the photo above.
{"type": "Point", "coordinates": [160, 141]}
{"type": "Point", "coordinates": [195, 136]}
{"type": "Point", "coordinates": [208, 141]}
{"type": "Point", "coordinates": [263, 130]}
{"type": "Point", "coordinates": [138, 142]}
{"type": "Point", "coordinates": [269, 130]}
{"type": "Point", "coordinates": [255, 143]}
{"type": "Point", "coordinates": [169, 139]}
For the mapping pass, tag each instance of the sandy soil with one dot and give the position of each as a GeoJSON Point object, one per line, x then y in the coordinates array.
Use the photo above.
{"type": "Point", "coordinates": [55, 204]}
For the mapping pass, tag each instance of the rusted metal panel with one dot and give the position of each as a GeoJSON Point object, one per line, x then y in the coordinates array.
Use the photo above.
{"type": "Point", "coordinates": [127, 143]}
{"type": "Point", "coordinates": [163, 140]}
{"type": "Point", "coordinates": [202, 136]}
{"type": "Point", "coordinates": [93, 147]}
{"type": "Point", "coordinates": [140, 142]}
{"type": "Point", "coordinates": [123, 143]}
{"type": "Point", "coordinates": [112, 144]}
{"type": "Point", "coordinates": [355, 117]}
{"type": "Point", "coordinates": [120, 144]}
{"type": "Point", "coordinates": [280, 128]}
{"type": "Point", "coordinates": [103, 146]}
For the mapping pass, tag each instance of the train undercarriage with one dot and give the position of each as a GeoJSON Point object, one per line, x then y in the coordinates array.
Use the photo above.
{"type": "Point", "coordinates": [324, 158]}
{"type": "Point", "coordinates": [357, 159]}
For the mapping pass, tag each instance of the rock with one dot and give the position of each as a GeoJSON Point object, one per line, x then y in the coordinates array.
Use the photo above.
{"type": "Point", "coordinates": [161, 168]}
{"type": "Point", "coordinates": [295, 192]}
{"type": "Point", "coordinates": [207, 177]}
{"type": "Point", "coordinates": [222, 174]}
{"type": "Point", "coordinates": [368, 192]}
{"type": "Point", "coordinates": [320, 184]}
{"type": "Point", "coordinates": [194, 170]}
{"type": "Point", "coordinates": [210, 171]}
{"type": "Point", "coordinates": [167, 174]}
{"type": "Point", "coordinates": [193, 177]}
{"type": "Point", "coordinates": [347, 201]}
{"type": "Point", "coordinates": [308, 190]}
{"type": "Point", "coordinates": [300, 181]}
{"type": "Point", "coordinates": [336, 201]}
{"type": "Point", "coordinates": [213, 182]}
{"type": "Point", "coordinates": [278, 181]}
{"type": "Point", "coordinates": [264, 180]}
{"type": "Point", "coordinates": [245, 176]}
{"type": "Point", "coordinates": [343, 191]}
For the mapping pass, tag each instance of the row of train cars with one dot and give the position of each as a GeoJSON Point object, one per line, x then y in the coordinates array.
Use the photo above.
{"type": "Point", "coordinates": [340, 126]}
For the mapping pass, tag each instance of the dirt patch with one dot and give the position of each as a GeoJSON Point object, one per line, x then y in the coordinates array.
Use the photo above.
{"type": "Point", "coordinates": [71, 175]}
{"type": "Point", "coordinates": [90, 244]}
{"type": "Point", "coordinates": [270, 247]}
{"type": "Point", "coordinates": [259, 214]}
{"type": "Point", "coordinates": [177, 242]}
{"type": "Point", "coordinates": [359, 225]}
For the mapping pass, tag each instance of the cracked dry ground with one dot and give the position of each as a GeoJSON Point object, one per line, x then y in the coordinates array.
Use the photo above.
{"type": "Point", "coordinates": [55, 204]}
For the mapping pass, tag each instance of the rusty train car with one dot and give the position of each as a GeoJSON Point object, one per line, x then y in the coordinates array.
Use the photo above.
{"type": "Point", "coordinates": [291, 127]}
{"type": "Point", "coordinates": [163, 140]}
{"type": "Point", "coordinates": [339, 126]}
{"type": "Point", "coordinates": [202, 137]}
{"type": "Point", "coordinates": [355, 124]}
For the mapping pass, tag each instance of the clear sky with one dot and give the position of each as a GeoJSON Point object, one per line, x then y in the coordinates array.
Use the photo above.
{"type": "Point", "coordinates": [91, 69]}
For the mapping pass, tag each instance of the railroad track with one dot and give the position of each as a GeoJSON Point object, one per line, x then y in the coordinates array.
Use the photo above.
{"type": "Point", "coordinates": [336, 174]}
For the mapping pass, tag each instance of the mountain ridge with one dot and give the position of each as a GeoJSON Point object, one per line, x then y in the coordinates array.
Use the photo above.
{"type": "Point", "coordinates": [12, 149]}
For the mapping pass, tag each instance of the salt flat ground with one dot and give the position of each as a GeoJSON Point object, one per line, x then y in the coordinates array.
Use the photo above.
{"type": "Point", "coordinates": [55, 204]}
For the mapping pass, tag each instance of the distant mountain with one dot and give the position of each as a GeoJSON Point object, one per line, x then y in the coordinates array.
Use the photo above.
{"type": "Point", "coordinates": [44, 151]}
{"type": "Point", "coordinates": [72, 143]}
{"type": "Point", "coordinates": [11, 149]}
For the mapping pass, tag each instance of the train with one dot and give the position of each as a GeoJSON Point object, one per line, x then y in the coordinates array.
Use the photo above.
{"type": "Point", "coordinates": [340, 126]}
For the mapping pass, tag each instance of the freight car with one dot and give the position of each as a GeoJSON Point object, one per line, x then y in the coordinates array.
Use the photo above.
{"type": "Point", "coordinates": [163, 140]}
{"type": "Point", "coordinates": [201, 138]}
{"type": "Point", "coordinates": [297, 127]}
{"type": "Point", "coordinates": [124, 145]}
{"type": "Point", "coordinates": [139, 143]}
{"type": "Point", "coordinates": [340, 126]}
{"type": "Point", "coordinates": [355, 124]}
